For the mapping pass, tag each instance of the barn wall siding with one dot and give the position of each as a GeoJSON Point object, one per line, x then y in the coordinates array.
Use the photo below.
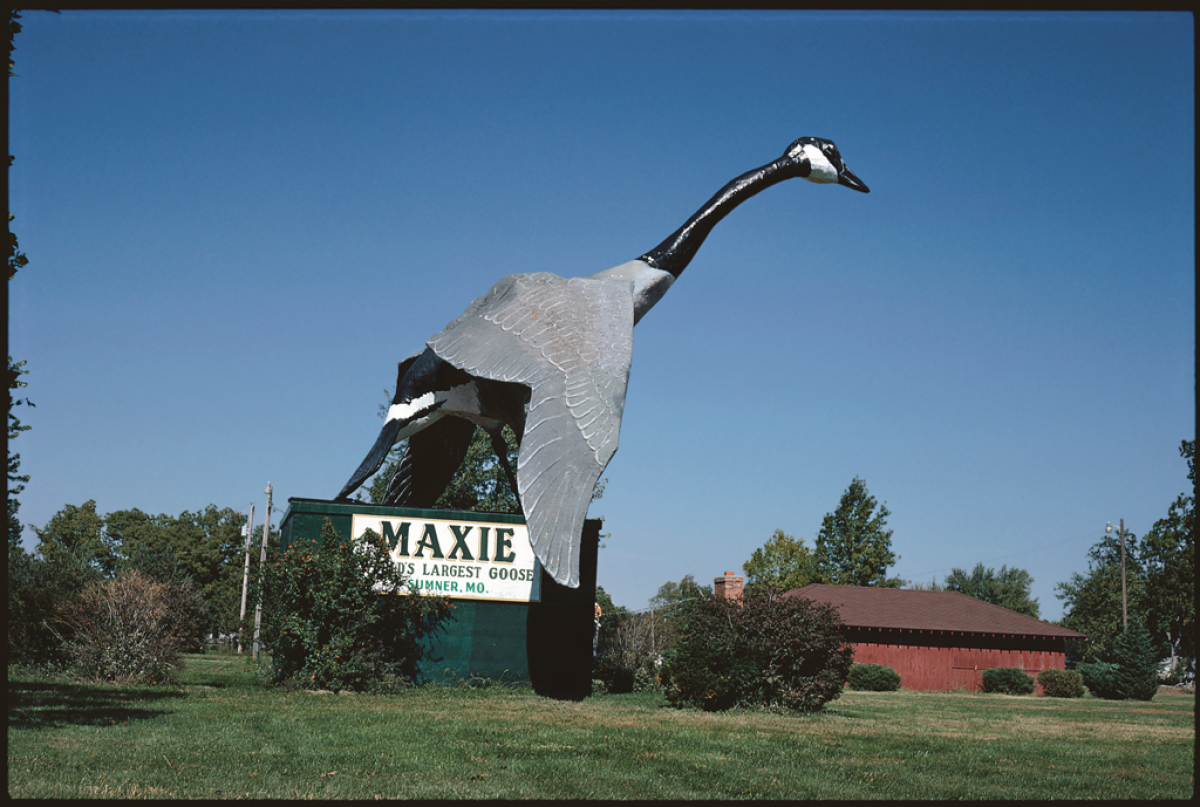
{"type": "Point", "coordinates": [936, 662]}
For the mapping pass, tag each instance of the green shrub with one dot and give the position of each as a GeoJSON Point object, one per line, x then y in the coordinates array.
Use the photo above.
{"type": "Point", "coordinates": [873, 678]}
{"type": "Point", "coordinates": [1061, 683]}
{"type": "Point", "coordinates": [1100, 678]}
{"type": "Point", "coordinates": [625, 672]}
{"type": "Point", "coordinates": [614, 673]}
{"type": "Point", "coordinates": [335, 618]}
{"type": "Point", "coordinates": [37, 589]}
{"type": "Point", "coordinates": [1175, 674]}
{"type": "Point", "coordinates": [1008, 680]}
{"type": "Point", "coordinates": [1132, 669]}
{"type": "Point", "coordinates": [767, 651]}
{"type": "Point", "coordinates": [130, 629]}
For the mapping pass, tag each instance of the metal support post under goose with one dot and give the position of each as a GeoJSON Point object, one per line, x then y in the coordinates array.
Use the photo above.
{"type": "Point", "coordinates": [550, 356]}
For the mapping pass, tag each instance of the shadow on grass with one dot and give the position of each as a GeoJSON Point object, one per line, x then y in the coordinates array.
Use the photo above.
{"type": "Point", "coordinates": [40, 704]}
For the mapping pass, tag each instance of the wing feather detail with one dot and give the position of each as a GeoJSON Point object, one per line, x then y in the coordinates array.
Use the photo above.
{"type": "Point", "coordinates": [570, 342]}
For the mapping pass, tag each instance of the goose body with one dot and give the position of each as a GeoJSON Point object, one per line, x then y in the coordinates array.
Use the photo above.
{"type": "Point", "coordinates": [550, 357]}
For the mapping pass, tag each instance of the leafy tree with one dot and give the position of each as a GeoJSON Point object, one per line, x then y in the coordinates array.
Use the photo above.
{"type": "Point", "coordinates": [479, 485]}
{"type": "Point", "coordinates": [1008, 588]}
{"type": "Point", "coordinates": [661, 623]}
{"type": "Point", "coordinates": [1092, 601]}
{"type": "Point", "coordinates": [206, 547]}
{"type": "Point", "coordinates": [783, 563]}
{"type": "Point", "coordinates": [77, 531]}
{"type": "Point", "coordinates": [16, 480]}
{"type": "Point", "coordinates": [853, 548]}
{"type": "Point", "coordinates": [1170, 562]}
{"type": "Point", "coordinates": [37, 588]}
{"type": "Point", "coordinates": [671, 594]}
{"type": "Point", "coordinates": [612, 617]}
{"type": "Point", "coordinates": [16, 261]}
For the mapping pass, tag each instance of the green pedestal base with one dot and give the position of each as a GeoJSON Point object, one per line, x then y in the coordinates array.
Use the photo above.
{"type": "Point", "coordinates": [545, 644]}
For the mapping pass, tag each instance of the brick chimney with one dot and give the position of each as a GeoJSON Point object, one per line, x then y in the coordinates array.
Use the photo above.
{"type": "Point", "coordinates": [728, 586]}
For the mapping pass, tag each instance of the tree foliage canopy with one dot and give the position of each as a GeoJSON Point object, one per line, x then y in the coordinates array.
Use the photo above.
{"type": "Point", "coordinates": [783, 563]}
{"type": "Point", "coordinates": [853, 547]}
{"type": "Point", "coordinates": [1008, 588]}
{"type": "Point", "coordinates": [479, 485]}
{"type": "Point", "coordinates": [16, 369]}
{"type": "Point", "coordinates": [77, 531]}
{"type": "Point", "coordinates": [1159, 581]}
{"type": "Point", "coordinates": [1092, 601]}
{"type": "Point", "coordinates": [205, 547]}
{"type": "Point", "coordinates": [1170, 564]}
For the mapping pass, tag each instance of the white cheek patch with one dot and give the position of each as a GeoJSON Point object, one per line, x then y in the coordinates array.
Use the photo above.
{"type": "Point", "coordinates": [405, 411]}
{"type": "Point", "coordinates": [822, 169]}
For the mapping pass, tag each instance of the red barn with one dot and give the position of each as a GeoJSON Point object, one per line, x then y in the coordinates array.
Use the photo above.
{"type": "Point", "coordinates": [940, 640]}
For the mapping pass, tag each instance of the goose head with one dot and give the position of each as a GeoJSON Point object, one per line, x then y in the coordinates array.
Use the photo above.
{"type": "Point", "coordinates": [817, 160]}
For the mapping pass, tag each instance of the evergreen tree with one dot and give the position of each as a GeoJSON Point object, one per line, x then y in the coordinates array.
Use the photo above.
{"type": "Point", "coordinates": [1130, 669]}
{"type": "Point", "coordinates": [853, 548]}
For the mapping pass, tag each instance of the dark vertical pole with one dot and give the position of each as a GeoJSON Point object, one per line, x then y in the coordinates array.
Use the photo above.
{"type": "Point", "coordinates": [262, 571]}
{"type": "Point", "coordinates": [246, 575]}
{"type": "Point", "coordinates": [1124, 606]}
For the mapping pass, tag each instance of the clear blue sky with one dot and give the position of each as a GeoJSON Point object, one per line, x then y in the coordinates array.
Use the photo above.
{"type": "Point", "coordinates": [238, 222]}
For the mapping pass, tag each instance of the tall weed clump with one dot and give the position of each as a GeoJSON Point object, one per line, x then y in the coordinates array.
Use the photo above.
{"type": "Point", "coordinates": [131, 628]}
{"type": "Point", "coordinates": [765, 650]}
{"type": "Point", "coordinates": [337, 616]}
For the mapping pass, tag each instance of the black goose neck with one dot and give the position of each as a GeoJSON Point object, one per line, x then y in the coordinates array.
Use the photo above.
{"type": "Point", "coordinates": [676, 252]}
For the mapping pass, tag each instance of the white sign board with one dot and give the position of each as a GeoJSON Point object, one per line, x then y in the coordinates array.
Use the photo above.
{"type": "Point", "coordinates": [476, 560]}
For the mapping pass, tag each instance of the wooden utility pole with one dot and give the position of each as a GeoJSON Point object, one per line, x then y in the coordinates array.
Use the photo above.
{"type": "Point", "coordinates": [262, 570]}
{"type": "Point", "coordinates": [246, 576]}
{"type": "Point", "coordinates": [1124, 603]}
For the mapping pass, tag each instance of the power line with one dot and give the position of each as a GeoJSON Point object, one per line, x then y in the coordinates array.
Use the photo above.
{"type": "Point", "coordinates": [1014, 554]}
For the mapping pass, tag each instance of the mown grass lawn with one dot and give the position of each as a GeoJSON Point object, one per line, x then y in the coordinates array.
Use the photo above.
{"type": "Point", "coordinates": [223, 735]}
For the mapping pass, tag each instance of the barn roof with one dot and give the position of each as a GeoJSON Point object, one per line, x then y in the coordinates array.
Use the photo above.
{"type": "Point", "coordinates": [911, 609]}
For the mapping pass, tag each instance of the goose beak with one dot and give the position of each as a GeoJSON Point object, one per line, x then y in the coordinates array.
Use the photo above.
{"type": "Point", "coordinates": [846, 177]}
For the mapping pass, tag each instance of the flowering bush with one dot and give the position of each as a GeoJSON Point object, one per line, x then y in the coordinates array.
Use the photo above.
{"type": "Point", "coordinates": [766, 650]}
{"type": "Point", "coordinates": [335, 617]}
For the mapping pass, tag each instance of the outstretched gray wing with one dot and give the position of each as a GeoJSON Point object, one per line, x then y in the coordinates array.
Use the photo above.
{"type": "Point", "coordinates": [570, 342]}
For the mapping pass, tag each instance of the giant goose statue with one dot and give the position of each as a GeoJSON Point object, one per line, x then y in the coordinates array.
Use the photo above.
{"type": "Point", "coordinates": [550, 357]}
